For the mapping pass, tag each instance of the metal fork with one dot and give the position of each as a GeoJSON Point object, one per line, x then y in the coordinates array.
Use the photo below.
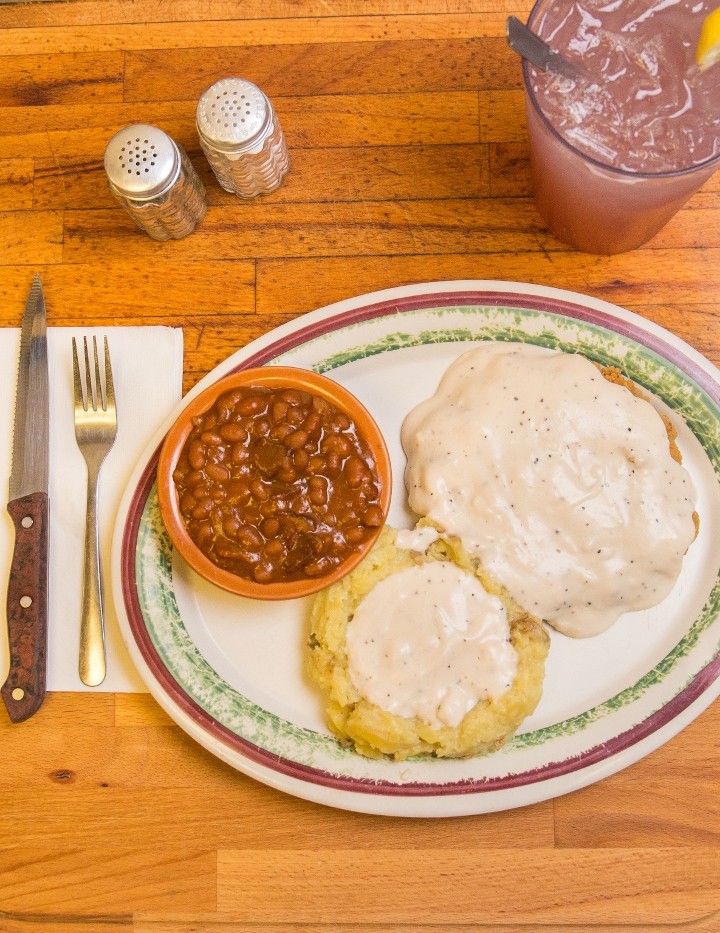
{"type": "Point", "coordinates": [95, 430]}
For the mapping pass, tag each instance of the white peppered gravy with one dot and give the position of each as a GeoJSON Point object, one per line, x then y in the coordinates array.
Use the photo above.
{"type": "Point", "coordinates": [561, 483]}
{"type": "Point", "coordinates": [430, 641]}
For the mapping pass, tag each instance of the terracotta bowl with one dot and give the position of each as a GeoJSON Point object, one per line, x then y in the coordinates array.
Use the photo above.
{"type": "Point", "coordinates": [273, 377]}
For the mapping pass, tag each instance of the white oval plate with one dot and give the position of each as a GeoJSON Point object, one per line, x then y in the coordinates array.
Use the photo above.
{"type": "Point", "coordinates": [229, 671]}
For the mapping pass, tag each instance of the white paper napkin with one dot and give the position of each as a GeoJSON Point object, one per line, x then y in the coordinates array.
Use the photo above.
{"type": "Point", "coordinates": [147, 365]}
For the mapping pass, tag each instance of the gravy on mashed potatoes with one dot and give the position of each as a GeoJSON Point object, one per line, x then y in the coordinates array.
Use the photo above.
{"type": "Point", "coordinates": [560, 482]}
{"type": "Point", "coordinates": [448, 645]}
{"type": "Point", "coordinates": [418, 652]}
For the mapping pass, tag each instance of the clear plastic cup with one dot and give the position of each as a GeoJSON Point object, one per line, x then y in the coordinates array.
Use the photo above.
{"type": "Point", "coordinates": [593, 206]}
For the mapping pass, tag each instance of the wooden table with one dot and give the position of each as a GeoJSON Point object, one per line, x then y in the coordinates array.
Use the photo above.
{"type": "Point", "coordinates": [409, 163]}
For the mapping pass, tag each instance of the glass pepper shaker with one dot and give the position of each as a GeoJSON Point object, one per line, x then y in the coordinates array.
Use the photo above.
{"type": "Point", "coordinates": [152, 178]}
{"type": "Point", "coordinates": [242, 138]}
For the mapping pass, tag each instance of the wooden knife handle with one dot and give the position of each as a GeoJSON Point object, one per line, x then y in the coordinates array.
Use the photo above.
{"type": "Point", "coordinates": [27, 597]}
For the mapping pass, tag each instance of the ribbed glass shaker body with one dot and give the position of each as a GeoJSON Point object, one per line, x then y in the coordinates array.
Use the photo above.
{"type": "Point", "coordinates": [242, 138]}
{"type": "Point", "coordinates": [152, 178]}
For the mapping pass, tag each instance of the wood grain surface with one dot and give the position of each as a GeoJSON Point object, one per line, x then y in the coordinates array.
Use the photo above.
{"type": "Point", "coordinates": [405, 124]}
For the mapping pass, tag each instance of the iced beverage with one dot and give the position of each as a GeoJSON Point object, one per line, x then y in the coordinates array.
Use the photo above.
{"type": "Point", "coordinates": [617, 153]}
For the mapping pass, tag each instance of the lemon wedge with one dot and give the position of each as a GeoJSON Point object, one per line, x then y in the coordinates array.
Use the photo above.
{"type": "Point", "coordinates": [707, 51]}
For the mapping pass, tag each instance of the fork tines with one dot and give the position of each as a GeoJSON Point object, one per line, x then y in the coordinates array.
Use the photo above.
{"type": "Point", "coordinates": [89, 386]}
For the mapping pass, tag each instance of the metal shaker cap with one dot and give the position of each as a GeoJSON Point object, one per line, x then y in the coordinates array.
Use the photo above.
{"type": "Point", "coordinates": [233, 115]}
{"type": "Point", "coordinates": [141, 162]}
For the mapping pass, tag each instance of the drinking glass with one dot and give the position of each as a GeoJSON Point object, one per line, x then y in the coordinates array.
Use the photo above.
{"type": "Point", "coordinates": [592, 206]}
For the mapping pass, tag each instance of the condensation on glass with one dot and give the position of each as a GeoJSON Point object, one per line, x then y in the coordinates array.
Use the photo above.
{"type": "Point", "coordinates": [152, 177]}
{"type": "Point", "coordinates": [242, 137]}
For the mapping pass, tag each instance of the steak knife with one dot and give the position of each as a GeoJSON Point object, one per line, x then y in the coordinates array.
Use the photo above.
{"type": "Point", "coordinates": [27, 596]}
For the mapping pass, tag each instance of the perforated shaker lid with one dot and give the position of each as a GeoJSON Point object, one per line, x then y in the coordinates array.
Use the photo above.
{"type": "Point", "coordinates": [141, 161]}
{"type": "Point", "coordinates": [234, 115]}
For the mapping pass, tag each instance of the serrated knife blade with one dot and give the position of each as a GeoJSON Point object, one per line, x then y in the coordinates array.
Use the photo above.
{"type": "Point", "coordinates": [27, 596]}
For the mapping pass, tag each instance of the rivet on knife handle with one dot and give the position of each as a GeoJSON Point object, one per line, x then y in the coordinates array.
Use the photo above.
{"type": "Point", "coordinates": [24, 690]}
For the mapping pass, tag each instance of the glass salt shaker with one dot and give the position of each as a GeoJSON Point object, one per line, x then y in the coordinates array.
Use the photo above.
{"type": "Point", "coordinates": [152, 178]}
{"type": "Point", "coordinates": [242, 138]}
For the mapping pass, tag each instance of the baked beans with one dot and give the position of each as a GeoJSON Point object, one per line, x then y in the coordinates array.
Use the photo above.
{"type": "Point", "coordinates": [277, 484]}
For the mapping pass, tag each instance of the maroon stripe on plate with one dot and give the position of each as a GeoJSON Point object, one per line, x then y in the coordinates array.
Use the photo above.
{"type": "Point", "coordinates": [547, 305]}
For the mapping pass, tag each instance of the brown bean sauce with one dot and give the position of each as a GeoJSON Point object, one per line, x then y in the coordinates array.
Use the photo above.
{"type": "Point", "coordinates": [277, 485]}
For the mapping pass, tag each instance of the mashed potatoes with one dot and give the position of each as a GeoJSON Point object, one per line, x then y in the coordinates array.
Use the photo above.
{"type": "Point", "coordinates": [372, 727]}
